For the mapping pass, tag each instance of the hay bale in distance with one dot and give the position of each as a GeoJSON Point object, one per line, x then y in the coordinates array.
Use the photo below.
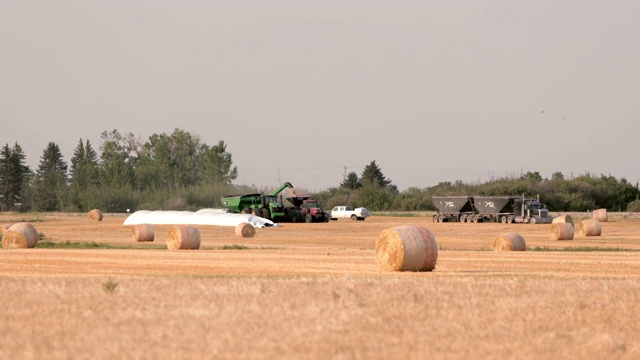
{"type": "Point", "coordinates": [600, 215]}
{"type": "Point", "coordinates": [95, 215]}
{"type": "Point", "coordinates": [245, 230]}
{"type": "Point", "coordinates": [562, 219]}
{"type": "Point", "coordinates": [561, 231]}
{"type": "Point", "coordinates": [183, 237]}
{"type": "Point", "coordinates": [406, 248]}
{"type": "Point", "coordinates": [21, 235]}
{"type": "Point", "coordinates": [142, 232]}
{"type": "Point", "coordinates": [590, 227]}
{"type": "Point", "coordinates": [509, 242]}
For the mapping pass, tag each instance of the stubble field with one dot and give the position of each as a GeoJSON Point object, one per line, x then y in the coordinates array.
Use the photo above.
{"type": "Point", "coordinates": [314, 291]}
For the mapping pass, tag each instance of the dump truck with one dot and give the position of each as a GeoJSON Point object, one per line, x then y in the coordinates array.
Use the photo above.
{"type": "Point", "coordinates": [480, 208]}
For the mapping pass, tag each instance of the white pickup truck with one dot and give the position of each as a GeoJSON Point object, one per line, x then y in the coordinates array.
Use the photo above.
{"type": "Point", "coordinates": [347, 212]}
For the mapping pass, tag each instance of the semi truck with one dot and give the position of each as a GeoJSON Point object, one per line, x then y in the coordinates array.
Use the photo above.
{"type": "Point", "coordinates": [481, 208]}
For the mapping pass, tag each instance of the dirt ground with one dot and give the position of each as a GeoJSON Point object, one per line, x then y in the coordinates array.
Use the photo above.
{"type": "Point", "coordinates": [314, 291]}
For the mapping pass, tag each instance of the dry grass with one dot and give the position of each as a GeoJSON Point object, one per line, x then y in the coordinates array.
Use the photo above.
{"type": "Point", "coordinates": [315, 291]}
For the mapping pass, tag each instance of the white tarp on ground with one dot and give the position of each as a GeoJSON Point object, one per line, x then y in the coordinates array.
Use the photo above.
{"type": "Point", "coordinates": [201, 217]}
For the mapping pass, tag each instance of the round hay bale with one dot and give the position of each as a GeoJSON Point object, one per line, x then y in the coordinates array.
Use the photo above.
{"type": "Point", "coordinates": [143, 232]}
{"type": "Point", "coordinates": [590, 227]}
{"type": "Point", "coordinates": [95, 215]}
{"type": "Point", "coordinates": [406, 248]}
{"type": "Point", "coordinates": [245, 230]}
{"type": "Point", "coordinates": [183, 237]}
{"type": "Point", "coordinates": [600, 215]}
{"type": "Point", "coordinates": [509, 242]}
{"type": "Point", "coordinates": [21, 235]}
{"type": "Point", "coordinates": [561, 231]}
{"type": "Point", "coordinates": [4, 228]}
{"type": "Point", "coordinates": [562, 219]}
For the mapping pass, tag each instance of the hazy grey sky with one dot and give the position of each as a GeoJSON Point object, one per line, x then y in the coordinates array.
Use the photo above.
{"type": "Point", "coordinates": [431, 90]}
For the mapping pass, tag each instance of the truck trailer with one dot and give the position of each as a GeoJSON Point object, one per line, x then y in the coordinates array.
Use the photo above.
{"type": "Point", "coordinates": [481, 208]}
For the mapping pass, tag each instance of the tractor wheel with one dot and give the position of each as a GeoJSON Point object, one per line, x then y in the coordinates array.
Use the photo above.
{"type": "Point", "coordinates": [327, 217]}
{"type": "Point", "coordinates": [255, 212]}
{"type": "Point", "coordinates": [308, 218]}
{"type": "Point", "coordinates": [265, 213]}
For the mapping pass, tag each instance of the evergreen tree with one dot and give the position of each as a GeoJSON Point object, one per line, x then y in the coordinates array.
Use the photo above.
{"type": "Point", "coordinates": [351, 182]}
{"type": "Point", "coordinates": [77, 158]}
{"type": "Point", "coordinates": [84, 166]}
{"type": "Point", "coordinates": [373, 175]}
{"type": "Point", "coordinates": [51, 180]}
{"type": "Point", "coordinates": [13, 172]}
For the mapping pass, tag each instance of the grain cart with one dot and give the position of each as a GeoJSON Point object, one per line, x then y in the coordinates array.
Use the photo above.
{"type": "Point", "coordinates": [266, 206]}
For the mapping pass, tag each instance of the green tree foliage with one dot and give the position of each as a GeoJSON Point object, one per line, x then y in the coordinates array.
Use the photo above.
{"type": "Point", "coordinates": [373, 175]}
{"type": "Point", "coordinates": [174, 157]}
{"type": "Point", "coordinates": [50, 183]}
{"type": "Point", "coordinates": [351, 182]}
{"type": "Point", "coordinates": [118, 159]}
{"type": "Point", "coordinates": [13, 172]}
{"type": "Point", "coordinates": [84, 175]}
{"type": "Point", "coordinates": [181, 160]}
{"type": "Point", "coordinates": [216, 167]}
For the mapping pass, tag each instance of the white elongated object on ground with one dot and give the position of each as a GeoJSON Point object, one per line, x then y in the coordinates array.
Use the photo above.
{"type": "Point", "coordinates": [201, 217]}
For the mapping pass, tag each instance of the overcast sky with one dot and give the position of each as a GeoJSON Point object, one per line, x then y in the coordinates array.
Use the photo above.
{"type": "Point", "coordinates": [298, 90]}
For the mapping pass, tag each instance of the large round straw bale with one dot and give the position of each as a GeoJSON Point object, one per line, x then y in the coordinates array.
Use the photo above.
{"type": "Point", "coordinates": [561, 231]}
{"type": "Point", "coordinates": [95, 215]}
{"type": "Point", "coordinates": [600, 215]}
{"type": "Point", "coordinates": [590, 227]}
{"type": "Point", "coordinates": [563, 219]}
{"type": "Point", "coordinates": [509, 242]}
{"type": "Point", "coordinates": [183, 237]}
{"type": "Point", "coordinates": [20, 236]}
{"type": "Point", "coordinates": [245, 230]}
{"type": "Point", "coordinates": [4, 228]}
{"type": "Point", "coordinates": [406, 248]}
{"type": "Point", "coordinates": [142, 232]}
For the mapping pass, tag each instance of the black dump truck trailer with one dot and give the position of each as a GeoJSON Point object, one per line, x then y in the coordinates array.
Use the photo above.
{"type": "Point", "coordinates": [480, 208]}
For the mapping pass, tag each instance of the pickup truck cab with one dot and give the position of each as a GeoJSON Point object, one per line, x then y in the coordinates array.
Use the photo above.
{"type": "Point", "coordinates": [347, 212]}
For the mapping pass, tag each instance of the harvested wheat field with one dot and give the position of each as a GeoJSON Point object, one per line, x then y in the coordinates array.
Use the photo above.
{"type": "Point", "coordinates": [315, 291]}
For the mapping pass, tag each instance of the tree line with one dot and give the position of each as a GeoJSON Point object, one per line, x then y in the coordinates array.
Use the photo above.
{"type": "Point", "coordinates": [174, 170]}
{"type": "Point", "coordinates": [178, 171]}
{"type": "Point", "coordinates": [581, 193]}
